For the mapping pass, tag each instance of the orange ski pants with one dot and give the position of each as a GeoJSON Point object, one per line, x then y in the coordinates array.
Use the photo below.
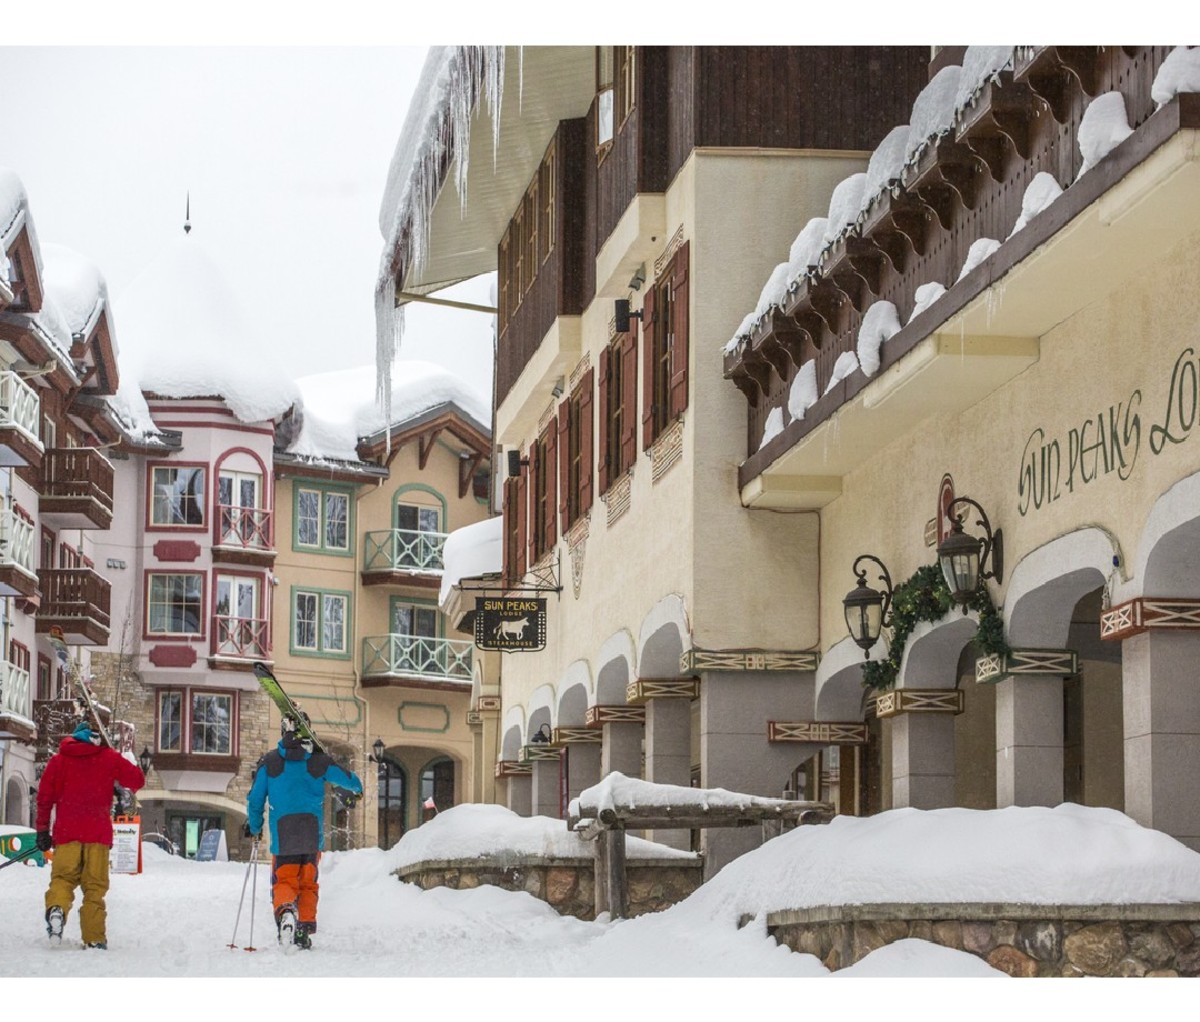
{"type": "Point", "coordinates": [294, 882]}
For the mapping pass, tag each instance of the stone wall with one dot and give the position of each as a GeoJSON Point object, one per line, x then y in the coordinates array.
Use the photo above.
{"type": "Point", "coordinates": [1020, 940]}
{"type": "Point", "coordinates": [567, 885]}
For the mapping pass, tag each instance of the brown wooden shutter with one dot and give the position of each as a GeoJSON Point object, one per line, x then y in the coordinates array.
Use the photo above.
{"type": "Point", "coordinates": [564, 462]}
{"type": "Point", "coordinates": [626, 358]}
{"type": "Point", "coordinates": [509, 510]}
{"type": "Point", "coordinates": [522, 503]}
{"type": "Point", "coordinates": [550, 456]}
{"type": "Point", "coordinates": [648, 367]}
{"type": "Point", "coordinates": [532, 539]}
{"type": "Point", "coordinates": [679, 347]}
{"type": "Point", "coordinates": [606, 367]}
{"type": "Point", "coordinates": [586, 434]}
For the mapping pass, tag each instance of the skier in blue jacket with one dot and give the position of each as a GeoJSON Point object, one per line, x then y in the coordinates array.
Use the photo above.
{"type": "Point", "coordinates": [292, 778]}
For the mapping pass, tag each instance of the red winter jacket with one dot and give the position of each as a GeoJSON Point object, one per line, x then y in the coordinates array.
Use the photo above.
{"type": "Point", "coordinates": [78, 784]}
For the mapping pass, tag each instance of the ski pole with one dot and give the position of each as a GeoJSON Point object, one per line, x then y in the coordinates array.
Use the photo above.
{"type": "Point", "coordinates": [253, 893]}
{"type": "Point", "coordinates": [20, 858]}
{"type": "Point", "coordinates": [249, 866]}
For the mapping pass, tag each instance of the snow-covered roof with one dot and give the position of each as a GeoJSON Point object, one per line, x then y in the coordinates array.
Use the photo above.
{"type": "Point", "coordinates": [470, 552]}
{"type": "Point", "coordinates": [12, 206]}
{"type": "Point", "coordinates": [339, 408]}
{"type": "Point", "coordinates": [77, 288]}
{"type": "Point", "coordinates": [182, 335]}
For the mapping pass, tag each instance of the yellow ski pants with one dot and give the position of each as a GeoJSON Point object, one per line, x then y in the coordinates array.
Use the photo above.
{"type": "Point", "coordinates": [76, 864]}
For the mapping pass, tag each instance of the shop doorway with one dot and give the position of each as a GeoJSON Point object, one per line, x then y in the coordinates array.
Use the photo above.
{"type": "Point", "coordinates": [185, 830]}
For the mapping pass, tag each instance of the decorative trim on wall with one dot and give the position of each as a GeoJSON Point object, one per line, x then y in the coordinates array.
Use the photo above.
{"type": "Point", "coordinates": [1026, 662]}
{"type": "Point", "coordinates": [1146, 612]}
{"type": "Point", "coordinates": [666, 450]}
{"type": "Point", "coordinates": [175, 655]}
{"type": "Point", "coordinates": [641, 689]}
{"type": "Point", "coordinates": [576, 736]}
{"type": "Point", "coordinates": [617, 499]}
{"type": "Point", "coordinates": [488, 704]}
{"type": "Point", "coordinates": [748, 660]}
{"type": "Point", "coordinates": [577, 546]}
{"type": "Point", "coordinates": [511, 768]}
{"type": "Point", "coordinates": [668, 253]}
{"type": "Point", "coordinates": [598, 716]}
{"type": "Point", "coordinates": [474, 718]}
{"type": "Point", "coordinates": [413, 705]}
{"type": "Point", "coordinates": [176, 550]}
{"type": "Point", "coordinates": [822, 732]}
{"type": "Point", "coordinates": [581, 367]}
{"type": "Point", "coordinates": [910, 700]}
{"type": "Point", "coordinates": [538, 753]}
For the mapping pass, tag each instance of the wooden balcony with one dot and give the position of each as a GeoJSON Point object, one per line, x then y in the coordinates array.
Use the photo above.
{"type": "Point", "coordinates": [76, 489]}
{"type": "Point", "coordinates": [56, 719]}
{"type": "Point", "coordinates": [20, 417]}
{"type": "Point", "coordinates": [403, 557]}
{"type": "Point", "coordinates": [425, 661]}
{"type": "Point", "coordinates": [17, 577]}
{"type": "Point", "coordinates": [244, 536]}
{"type": "Point", "coordinates": [239, 640]}
{"type": "Point", "coordinates": [78, 601]}
{"type": "Point", "coordinates": [16, 707]}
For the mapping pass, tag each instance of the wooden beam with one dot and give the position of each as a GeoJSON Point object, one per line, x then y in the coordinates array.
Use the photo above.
{"type": "Point", "coordinates": [425, 446]}
{"type": "Point", "coordinates": [409, 296]}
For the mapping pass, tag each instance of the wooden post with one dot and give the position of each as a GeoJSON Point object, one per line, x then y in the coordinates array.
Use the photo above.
{"type": "Point", "coordinates": [601, 898]}
{"type": "Point", "coordinates": [615, 879]}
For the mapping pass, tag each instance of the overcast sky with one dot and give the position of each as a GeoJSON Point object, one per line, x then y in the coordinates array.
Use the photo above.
{"type": "Point", "coordinates": [284, 151]}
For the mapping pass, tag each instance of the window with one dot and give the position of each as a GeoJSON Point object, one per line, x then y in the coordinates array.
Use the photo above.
{"type": "Point", "coordinates": [243, 522]}
{"type": "Point", "coordinates": [575, 452]}
{"type": "Point", "coordinates": [173, 604]}
{"type": "Point", "coordinates": [319, 622]}
{"type": "Point", "coordinates": [418, 538]}
{"type": "Point", "coordinates": [625, 75]}
{"type": "Point", "coordinates": [437, 783]}
{"type": "Point", "coordinates": [200, 723]}
{"type": "Point", "coordinates": [604, 97]}
{"type": "Point", "coordinates": [617, 435]}
{"type": "Point", "coordinates": [392, 798]}
{"type": "Point", "coordinates": [514, 527]}
{"type": "Point", "coordinates": [417, 649]}
{"type": "Point", "coordinates": [240, 629]}
{"type": "Point", "coordinates": [323, 520]}
{"type": "Point", "coordinates": [533, 213]}
{"type": "Point", "coordinates": [543, 493]}
{"type": "Point", "coordinates": [548, 190]}
{"type": "Point", "coordinates": [504, 282]}
{"type": "Point", "coordinates": [178, 495]}
{"type": "Point", "coordinates": [520, 268]}
{"type": "Point", "coordinates": [665, 349]}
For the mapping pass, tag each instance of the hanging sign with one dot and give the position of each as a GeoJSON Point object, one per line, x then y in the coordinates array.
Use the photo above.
{"type": "Point", "coordinates": [510, 624]}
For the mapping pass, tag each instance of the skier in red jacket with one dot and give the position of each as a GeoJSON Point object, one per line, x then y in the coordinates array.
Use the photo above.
{"type": "Point", "coordinates": [78, 785]}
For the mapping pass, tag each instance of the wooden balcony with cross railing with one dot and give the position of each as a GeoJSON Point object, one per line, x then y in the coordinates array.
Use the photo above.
{"type": "Point", "coordinates": [403, 557]}
{"type": "Point", "coordinates": [16, 706]}
{"type": "Point", "coordinates": [55, 719]}
{"type": "Point", "coordinates": [426, 661]}
{"type": "Point", "coordinates": [239, 640]}
{"type": "Point", "coordinates": [17, 575]}
{"type": "Point", "coordinates": [245, 535]}
{"type": "Point", "coordinates": [78, 600]}
{"type": "Point", "coordinates": [20, 417]}
{"type": "Point", "coordinates": [76, 489]}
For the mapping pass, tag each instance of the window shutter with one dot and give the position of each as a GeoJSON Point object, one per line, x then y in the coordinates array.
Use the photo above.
{"type": "Point", "coordinates": [626, 356]}
{"type": "Point", "coordinates": [531, 535]}
{"type": "Point", "coordinates": [679, 348]}
{"type": "Point", "coordinates": [648, 367]}
{"type": "Point", "coordinates": [586, 433]}
{"type": "Point", "coordinates": [606, 367]}
{"type": "Point", "coordinates": [509, 511]}
{"type": "Point", "coordinates": [522, 503]}
{"type": "Point", "coordinates": [564, 461]}
{"type": "Point", "coordinates": [550, 456]}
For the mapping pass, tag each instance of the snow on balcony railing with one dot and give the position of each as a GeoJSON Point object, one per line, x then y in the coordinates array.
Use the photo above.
{"type": "Point", "coordinates": [14, 691]}
{"type": "Point", "coordinates": [240, 637]}
{"type": "Point", "coordinates": [244, 527]}
{"type": "Point", "coordinates": [404, 550]}
{"type": "Point", "coordinates": [16, 540]}
{"type": "Point", "coordinates": [417, 656]}
{"type": "Point", "coordinates": [20, 407]}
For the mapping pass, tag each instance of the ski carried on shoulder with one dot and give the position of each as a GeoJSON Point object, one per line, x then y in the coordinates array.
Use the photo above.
{"type": "Point", "coordinates": [85, 699]}
{"type": "Point", "coordinates": [290, 711]}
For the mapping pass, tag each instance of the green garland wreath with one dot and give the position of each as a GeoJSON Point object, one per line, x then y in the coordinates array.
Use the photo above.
{"type": "Point", "coordinates": [925, 597]}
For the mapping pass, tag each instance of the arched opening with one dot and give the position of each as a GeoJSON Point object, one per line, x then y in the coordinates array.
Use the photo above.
{"type": "Point", "coordinates": [850, 776]}
{"type": "Point", "coordinates": [1093, 715]}
{"type": "Point", "coordinates": [393, 800]}
{"type": "Point", "coordinates": [437, 787]}
{"type": "Point", "coordinates": [15, 811]}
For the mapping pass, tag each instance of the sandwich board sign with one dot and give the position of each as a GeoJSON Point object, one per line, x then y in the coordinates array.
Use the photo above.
{"type": "Point", "coordinates": [126, 855]}
{"type": "Point", "coordinates": [510, 624]}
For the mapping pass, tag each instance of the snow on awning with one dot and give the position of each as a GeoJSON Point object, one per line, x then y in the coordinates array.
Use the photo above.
{"type": "Point", "coordinates": [470, 552]}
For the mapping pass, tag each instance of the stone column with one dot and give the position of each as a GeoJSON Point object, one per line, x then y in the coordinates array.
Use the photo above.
{"type": "Point", "coordinates": [1029, 722]}
{"type": "Point", "coordinates": [583, 765]}
{"type": "Point", "coordinates": [739, 695]}
{"type": "Point", "coordinates": [621, 730]}
{"type": "Point", "coordinates": [520, 794]}
{"type": "Point", "coordinates": [544, 789]}
{"type": "Point", "coordinates": [922, 726]}
{"type": "Point", "coordinates": [669, 755]}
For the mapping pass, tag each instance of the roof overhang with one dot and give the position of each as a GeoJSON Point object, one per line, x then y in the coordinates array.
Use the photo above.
{"type": "Point", "coordinates": [542, 86]}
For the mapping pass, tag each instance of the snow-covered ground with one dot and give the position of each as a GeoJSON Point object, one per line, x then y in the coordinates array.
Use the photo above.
{"type": "Point", "coordinates": [176, 919]}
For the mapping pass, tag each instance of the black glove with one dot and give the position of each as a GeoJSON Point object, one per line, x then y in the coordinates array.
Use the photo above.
{"type": "Point", "coordinates": [44, 841]}
{"type": "Point", "coordinates": [247, 832]}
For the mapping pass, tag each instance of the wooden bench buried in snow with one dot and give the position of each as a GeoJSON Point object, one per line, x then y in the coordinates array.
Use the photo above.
{"type": "Point", "coordinates": [618, 803]}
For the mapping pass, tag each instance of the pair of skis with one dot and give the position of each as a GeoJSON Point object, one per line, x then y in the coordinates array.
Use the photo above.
{"type": "Point", "coordinates": [85, 700]}
{"type": "Point", "coordinates": [290, 711]}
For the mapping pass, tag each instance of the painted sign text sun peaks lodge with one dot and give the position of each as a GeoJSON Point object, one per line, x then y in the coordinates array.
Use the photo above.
{"type": "Point", "coordinates": [1109, 442]}
{"type": "Point", "coordinates": [510, 624]}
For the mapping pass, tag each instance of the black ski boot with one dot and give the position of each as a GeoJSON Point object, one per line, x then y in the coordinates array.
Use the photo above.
{"type": "Point", "coordinates": [55, 919]}
{"type": "Point", "coordinates": [304, 933]}
{"type": "Point", "coordinates": [285, 919]}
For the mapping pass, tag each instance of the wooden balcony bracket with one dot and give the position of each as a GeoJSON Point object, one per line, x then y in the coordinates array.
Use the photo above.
{"type": "Point", "coordinates": [826, 300]}
{"type": "Point", "coordinates": [425, 446]}
{"type": "Point", "coordinates": [468, 464]}
{"type": "Point", "coordinates": [1053, 73]}
{"type": "Point", "coordinates": [999, 121]}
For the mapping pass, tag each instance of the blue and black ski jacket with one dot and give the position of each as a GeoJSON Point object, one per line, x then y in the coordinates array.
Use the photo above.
{"type": "Point", "coordinates": [293, 780]}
